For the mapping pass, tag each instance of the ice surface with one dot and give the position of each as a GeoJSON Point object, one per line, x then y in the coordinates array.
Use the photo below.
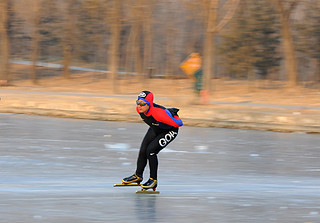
{"type": "Point", "coordinates": [63, 170]}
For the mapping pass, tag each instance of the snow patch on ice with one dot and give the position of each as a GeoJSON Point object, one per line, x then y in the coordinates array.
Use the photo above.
{"type": "Point", "coordinates": [254, 155]}
{"type": "Point", "coordinates": [120, 147]}
{"type": "Point", "coordinates": [283, 208]}
{"type": "Point", "coordinates": [313, 170]}
{"type": "Point", "coordinates": [201, 148]}
{"type": "Point", "coordinates": [67, 148]}
{"type": "Point", "coordinates": [167, 150]}
{"type": "Point", "coordinates": [37, 217]}
{"type": "Point", "coordinates": [125, 164]}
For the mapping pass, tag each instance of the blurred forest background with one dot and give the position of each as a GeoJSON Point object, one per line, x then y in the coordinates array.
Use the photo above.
{"type": "Point", "coordinates": [277, 40]}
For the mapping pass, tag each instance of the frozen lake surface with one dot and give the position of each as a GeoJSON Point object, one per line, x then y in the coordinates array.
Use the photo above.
{"type": "Point", "coordinates": [63, 170]}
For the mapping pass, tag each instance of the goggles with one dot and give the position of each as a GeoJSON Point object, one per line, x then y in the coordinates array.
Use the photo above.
{"type": "Point", "coordinates": [141, 103]}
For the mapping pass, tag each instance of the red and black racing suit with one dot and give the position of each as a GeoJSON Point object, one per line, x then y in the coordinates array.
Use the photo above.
{"type": "Point", "coordinates": [164, 125]}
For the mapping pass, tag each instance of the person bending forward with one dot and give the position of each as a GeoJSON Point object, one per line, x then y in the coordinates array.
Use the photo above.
{"type": "Point", "coordinates": [163, 128]}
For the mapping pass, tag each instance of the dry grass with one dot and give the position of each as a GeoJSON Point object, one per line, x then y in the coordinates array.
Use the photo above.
{"type": "Point", "coordinates": [260, 92]}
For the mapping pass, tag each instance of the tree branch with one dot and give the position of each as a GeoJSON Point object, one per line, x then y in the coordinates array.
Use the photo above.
{"type": "Point", "coordinates": [233, 7]}
{"type": "Point", "coordinates": [293, 5]}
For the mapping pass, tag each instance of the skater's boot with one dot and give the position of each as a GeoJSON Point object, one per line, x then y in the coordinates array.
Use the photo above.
{"type": "Point", "coordinates": [132, 179]}
{"type": "Point", "coordinates": [151, 183]}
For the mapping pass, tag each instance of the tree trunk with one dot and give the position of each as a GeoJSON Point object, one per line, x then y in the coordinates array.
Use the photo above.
{"type": "Point", "coordinates": [67, 42]}
{"type": "Point", "coordinates": [290, 59]}
{"type": "Point", "coordinates": [136, 47]}
{"type": "Point", "coordinates": [209, 45]}
{"type": "Point", "coordinates": [66, 60]}
{"type": "Point", "coordinates": [4, 70]}
{"type": "Point", "coordinates": [288, 46]}
{"type": "Point", "coordinates": [115, 42]}
{"type": "Point", "coordinates": [169, 52]}
{"type": "Point", "coordinates": [317, 70]}
{"type": "Point", "coordinates": [208, 61]}
{"type": "Point", "coordinates": [213, 27]}
{"type": "Point", "coordinates": [147, 55]}
{"type": "Point", "coordinates": [129, 49]}
{"type": "Point", "coordinates": [35, 40]}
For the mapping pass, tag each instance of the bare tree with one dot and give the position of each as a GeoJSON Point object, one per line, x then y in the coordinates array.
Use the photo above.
{"type": "Point", "coordinates": [115, 42]}
{"type": "Point", "coordinates": [147, 30]}
{"type": "Point", "coordinates": [4, 69]}
{"type": "Point", "coordinates": [128, 52]}
{"type": "Point", "coordinates": [68, 37]}
{"type": "Point", "coordinates": [213, 27]}
{"type": "Point", "coordinates": [35, 39]}
{"type": "Point", "coordinates": [137, 28]}
{"type": "Point", "coordinates": [154, 33]}
{"type": "Point", "coordinates": [286, 8]}
{"type": "Point", "coordinates": [171, 31]}
{"type": "Point", "coordinates": [134, 45]}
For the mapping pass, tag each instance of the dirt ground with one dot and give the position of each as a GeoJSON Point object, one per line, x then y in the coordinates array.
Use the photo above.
{"type": "Point", "coordinates": [182, 90]}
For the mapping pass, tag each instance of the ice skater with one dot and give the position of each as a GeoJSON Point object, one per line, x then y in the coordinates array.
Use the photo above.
{"type": "Point", "coordinates": [164, 125]}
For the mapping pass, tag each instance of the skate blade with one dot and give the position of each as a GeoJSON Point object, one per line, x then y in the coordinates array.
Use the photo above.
{"type": "Point", "coordinates": [147, 191]}
{"type": "Point", "coordinates": [126, 185]}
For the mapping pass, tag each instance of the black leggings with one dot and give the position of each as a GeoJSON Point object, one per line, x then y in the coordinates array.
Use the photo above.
{"type": "Point", "coordinates": [151, 145]}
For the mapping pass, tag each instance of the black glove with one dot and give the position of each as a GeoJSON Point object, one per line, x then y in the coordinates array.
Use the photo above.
{"type": "Point", "coordinates": [173, 111]}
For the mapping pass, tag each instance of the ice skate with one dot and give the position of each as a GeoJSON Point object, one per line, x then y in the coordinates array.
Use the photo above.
{"type": "Point", "coordinates": [133, 180]}
{"type": "Point", "coordinates": [150, 184]}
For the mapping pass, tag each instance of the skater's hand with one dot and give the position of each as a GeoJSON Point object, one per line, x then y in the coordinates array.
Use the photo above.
{"type": "Point", "coordinates": [173, 111]}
